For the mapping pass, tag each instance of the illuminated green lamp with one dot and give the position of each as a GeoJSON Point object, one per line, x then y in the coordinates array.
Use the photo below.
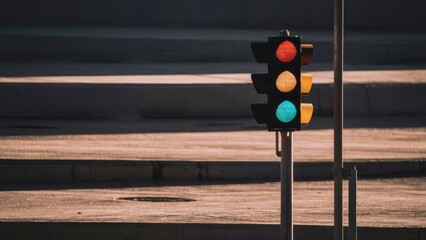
{"type": "Point", "coordinates": [286, 111]}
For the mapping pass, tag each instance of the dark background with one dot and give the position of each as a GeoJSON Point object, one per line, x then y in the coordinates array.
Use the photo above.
{"type": "Point", "coordinates": [360, 15]}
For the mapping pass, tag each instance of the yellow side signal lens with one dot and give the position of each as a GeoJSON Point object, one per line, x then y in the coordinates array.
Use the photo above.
{"type": "Point", "coordinates": [306, 111]}
{"type": "Point", "coordinates": [286, 81]}
{"type": "Point", "coordinates": [306, 83]}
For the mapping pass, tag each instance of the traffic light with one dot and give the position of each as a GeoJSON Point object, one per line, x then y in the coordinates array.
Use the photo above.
{"type": "Point", "coordinates": [284, 83]}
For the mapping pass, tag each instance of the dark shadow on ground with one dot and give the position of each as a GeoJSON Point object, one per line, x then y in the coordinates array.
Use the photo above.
{"type": "Point", "coordinates": [46, 127]}
{"type": "Point", "coordinates": [40, 186]}
{"type": "Point", "coordinates": [117, 184]}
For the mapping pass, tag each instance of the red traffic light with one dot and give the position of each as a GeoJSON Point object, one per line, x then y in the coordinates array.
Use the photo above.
{"type": "Point", "coordinates": [286, 52]}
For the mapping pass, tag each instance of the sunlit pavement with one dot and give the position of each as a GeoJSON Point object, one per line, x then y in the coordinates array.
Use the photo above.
{"type": "Point", "coordinates": [365, 138]}
{"type": "Point", "coordinates": [381, 203]}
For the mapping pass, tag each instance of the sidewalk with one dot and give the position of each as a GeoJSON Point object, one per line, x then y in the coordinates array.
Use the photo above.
{"type": "Point", "coordinates": [196, 73]}
{"type": "Point", "coordinates": [365, 138]}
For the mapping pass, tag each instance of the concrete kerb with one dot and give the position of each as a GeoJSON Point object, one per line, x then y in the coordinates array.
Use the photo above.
{"type": "Point", "coordinates": [110, 170]}
{"type": "Point", "coordinates": [186, 231]}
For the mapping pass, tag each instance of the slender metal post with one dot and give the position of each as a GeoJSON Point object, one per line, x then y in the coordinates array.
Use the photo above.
{"type": "Point", "coordinates": [338, 118]}
{"type": "Point", "coordinates": [353, 176]}
{"type": "Point", "coordinates": [286, 186]}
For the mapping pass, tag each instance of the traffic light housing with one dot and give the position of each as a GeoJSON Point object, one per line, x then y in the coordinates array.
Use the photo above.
{"type": "Point", "coordinates": [284, 83]}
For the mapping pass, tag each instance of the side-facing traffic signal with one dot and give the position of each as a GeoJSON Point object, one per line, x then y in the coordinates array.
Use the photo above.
{"type": "Point", "coordinates": [284, 83]}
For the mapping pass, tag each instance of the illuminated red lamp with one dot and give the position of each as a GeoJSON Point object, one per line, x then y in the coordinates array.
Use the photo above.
{"type": "Point", "coordinates": [286, 52]}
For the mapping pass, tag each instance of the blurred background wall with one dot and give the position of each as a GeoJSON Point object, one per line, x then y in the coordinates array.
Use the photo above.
{"type": "Point", "coordinates": [361, 15]}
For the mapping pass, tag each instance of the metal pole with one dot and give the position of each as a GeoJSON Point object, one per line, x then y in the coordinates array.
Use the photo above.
{"type": "Point", "coordinates": [286, 186]}
{"type": "Point", "coordinates": [338, 119]}
{"type": "Point", "coordinates": [352, 235]}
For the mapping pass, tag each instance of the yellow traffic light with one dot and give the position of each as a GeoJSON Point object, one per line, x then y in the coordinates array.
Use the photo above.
{"type": "Point", "coordinates": [286, 82]}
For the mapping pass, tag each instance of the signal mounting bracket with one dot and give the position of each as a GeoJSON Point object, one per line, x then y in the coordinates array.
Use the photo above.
{"type": "Point", "coordinates": [277, 151]}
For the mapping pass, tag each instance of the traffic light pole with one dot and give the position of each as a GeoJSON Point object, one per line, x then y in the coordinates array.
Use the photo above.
{"type": "Point", "coordinates": [286, 185]}
{"type": "Point", "coordinates": [352, 179]}
{"type": "Point", "coordinates": [338, 118]}
{"type": "Point", "coordinates": [284, 84]}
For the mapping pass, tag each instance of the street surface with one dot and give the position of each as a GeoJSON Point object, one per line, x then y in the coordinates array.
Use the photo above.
{"type": "Point", "coordinates": [390, 138]}
{"type": "Point", "coordinates": [381, 203]}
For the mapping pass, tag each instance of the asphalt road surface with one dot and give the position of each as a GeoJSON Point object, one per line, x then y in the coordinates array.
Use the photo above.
{"type": "Point", "coordinates": [381, 203]}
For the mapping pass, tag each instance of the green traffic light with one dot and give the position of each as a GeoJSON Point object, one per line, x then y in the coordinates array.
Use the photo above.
{"type": "Point", "coordinates": [286, 111]}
